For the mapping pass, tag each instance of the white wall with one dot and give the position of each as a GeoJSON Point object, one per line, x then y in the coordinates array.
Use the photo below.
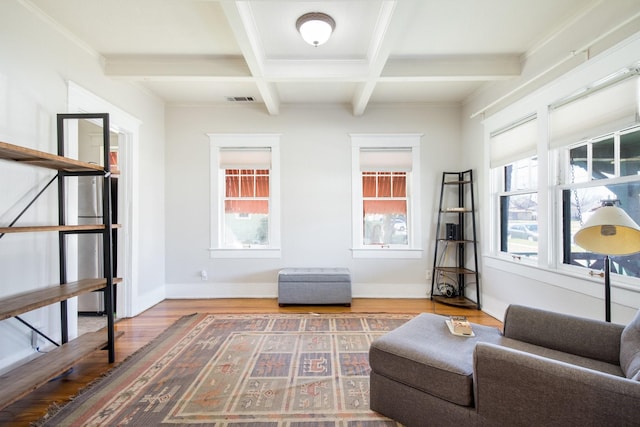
{"type": "Point", "coordinates": [540, 285]}
{"type": "Point", "coordinates": [315, 192]}
{"type": "Point", "coordinates": [36, 62]}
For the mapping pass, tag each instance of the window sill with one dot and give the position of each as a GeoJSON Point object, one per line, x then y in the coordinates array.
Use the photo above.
{"type": "Point", "coordinates": [261, 253]}
{"type": "Point", "coordinates": [387, 253]}
{"type": "Point", "coordinates": [566, 277]}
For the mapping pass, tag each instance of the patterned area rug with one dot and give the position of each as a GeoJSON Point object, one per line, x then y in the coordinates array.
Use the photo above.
{"type": "Point", "coordinates": [243, 370]}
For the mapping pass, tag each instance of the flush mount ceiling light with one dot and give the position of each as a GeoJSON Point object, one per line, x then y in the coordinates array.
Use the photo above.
{"type": "Point", "coordinates": [315, 27]}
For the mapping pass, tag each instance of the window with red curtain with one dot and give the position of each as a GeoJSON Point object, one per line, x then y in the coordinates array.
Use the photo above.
{"type": "Point", "coordinates": [246, 207]}
{"type": "Point", "coordinates": [246, 191]}
{"type": "Point", "coordinates": [245, 186]}
{"type": "Point", "coordinates": [384, 203]}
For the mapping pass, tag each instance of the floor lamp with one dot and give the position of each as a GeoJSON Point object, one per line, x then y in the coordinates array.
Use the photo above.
{"type": "Point", "coordinates": [609, 231]}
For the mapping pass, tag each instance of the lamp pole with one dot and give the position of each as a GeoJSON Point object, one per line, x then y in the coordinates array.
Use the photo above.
{"type": "Point", "coordinates": [607, 289]}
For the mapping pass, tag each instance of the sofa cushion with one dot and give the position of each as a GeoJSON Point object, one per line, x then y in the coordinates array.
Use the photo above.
{"type": "Point", "coordinates": [423, 354]}
{"type": "Point", "coordinates": [572, 359]}
{"type": "Point", "coordinates": [630, 349]}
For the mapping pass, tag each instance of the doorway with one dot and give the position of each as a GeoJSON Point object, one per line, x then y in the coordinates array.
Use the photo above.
{"type": "Point", "coordinates": [124, 135]}
{"type": "Point", "coordinates": [91, 306]}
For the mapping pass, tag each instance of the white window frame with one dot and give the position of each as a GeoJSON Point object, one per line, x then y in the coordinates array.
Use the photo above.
{"type": "Point", "coordinates": [562, 156]}
{"type": "Point", "coordinates": [516, 141]}
{"type": "Point", "coordinates": [414, 218]}
{"type": "Point", "coordinates": [217, 182]}
{"type": "Point", "coordinates": [498, 180]}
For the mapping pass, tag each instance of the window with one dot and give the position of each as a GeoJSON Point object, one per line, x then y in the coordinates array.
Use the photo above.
{"type": "Point", "coordinates": [603, 168]}
{"type": "Point", "coordinates": [246, 208]}
{"type": "Point", "coordinates": [519, 209]}
{"type": "Point", "coordinates": [515, 176]}
{"type": "Point", "coordinates": [597, 138]}
{"type": "Point", "coordinates": [384, 200]}
{"type": "Point", "coordinates": [386, 177]}
{"type": "Point", "coordinates": [245, 203]}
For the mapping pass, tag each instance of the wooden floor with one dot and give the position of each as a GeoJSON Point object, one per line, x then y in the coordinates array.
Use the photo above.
{"type": "Point", "coordinates": [141, 329]}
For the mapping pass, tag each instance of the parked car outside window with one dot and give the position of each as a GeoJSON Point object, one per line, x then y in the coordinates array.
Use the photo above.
{"type": "Point", "coordinates": [523, 231]}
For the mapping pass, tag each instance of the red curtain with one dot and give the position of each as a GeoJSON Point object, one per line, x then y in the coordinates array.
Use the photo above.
{"type": "Point", "coordinates": [383, 185]}
{"type": "Point", "coordinates": [246, 206]}
{"type": "Point", "coordinates": [384, 207]}
{"type": "Point", "coordinates": [246, 184]}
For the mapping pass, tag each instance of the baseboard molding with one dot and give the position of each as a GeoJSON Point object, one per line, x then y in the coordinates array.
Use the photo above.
{"type": "Point", "coordinates": [270, 290]}
{"type": "Point", "coordinates": [145, 301]}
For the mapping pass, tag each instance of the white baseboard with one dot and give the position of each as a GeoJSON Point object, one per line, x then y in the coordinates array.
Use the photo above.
{"type": "Point", "coordinates": [145, 301]}
{"type": "Point", "coordinates": [270, 290]}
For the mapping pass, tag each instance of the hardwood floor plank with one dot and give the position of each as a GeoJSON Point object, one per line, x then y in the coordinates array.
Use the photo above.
{"type": "Point", "coordinates": [140, 330]}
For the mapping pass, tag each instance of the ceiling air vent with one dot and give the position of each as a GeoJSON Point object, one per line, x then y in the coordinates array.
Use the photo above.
{"type": "Point", "coordinates": [240, 98]}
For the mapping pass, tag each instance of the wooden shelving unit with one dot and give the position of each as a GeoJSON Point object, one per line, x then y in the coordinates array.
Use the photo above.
{"type": "Point", "coordinates": [24, 379]}
{"type": "Point", "coordinates": [63, 228]}
{"type": "Point", "coordinates": [458, 235]}
{"type": "Point", "coordinates": [21, 303]}
{"type": "Point", "coordinates": [42, 159]}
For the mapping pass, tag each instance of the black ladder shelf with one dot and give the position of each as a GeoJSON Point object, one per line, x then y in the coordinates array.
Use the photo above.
{"type": "Point", "coordinates": [27, 377]}
{"type": "Point", "coordinates": [454, 268]}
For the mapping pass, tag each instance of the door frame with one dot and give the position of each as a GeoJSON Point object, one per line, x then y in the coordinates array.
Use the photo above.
{"type": "Point", "coordinates": [81, 100]}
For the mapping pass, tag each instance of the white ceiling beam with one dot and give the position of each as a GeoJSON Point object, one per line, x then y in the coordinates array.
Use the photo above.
{"type": "Point", "coordinates": [235, 69]}
{"type": "Point", "coordinates": [316, 70]}
{"type": "Point", "coordinates": [392, 21]}
{"type": "Point", "coordinates": [484, 67]}
{"type": "Point", "coordinates": [177, 67]}
{"type": "Point", "coordinates": [453, 68]}
{"type": "Point", "coordinates": [241, 21]}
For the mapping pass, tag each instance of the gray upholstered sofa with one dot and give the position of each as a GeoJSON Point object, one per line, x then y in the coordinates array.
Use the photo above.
{"type": "Point", "coordinates": [546, 369]}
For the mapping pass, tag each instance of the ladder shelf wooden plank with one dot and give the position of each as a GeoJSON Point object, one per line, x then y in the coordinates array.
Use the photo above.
{"type": "Point", "coordinates": [27, 377]}
{"type": "Point", "coordinates": [23, 302]}
{"type": "Point", "coordinates": [46, 160]}
{"type": "Point", "coordinates": [66, 228]}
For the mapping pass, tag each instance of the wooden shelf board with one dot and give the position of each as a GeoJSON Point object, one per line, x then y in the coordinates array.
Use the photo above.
{"type": "Point", "coordinates": [38, 228]}
{"type": "Point", "coordinates": [457, 182]}
{"type": "Point", "coordinates": [455, 301]}
{"type": "Point", "coordinates": [68, 228]}
{"type": "Point", "coordinates": [455, 270]}
{"type": "Point", "coordinates": [24, 379]}
{"type": "Point", "coordinates": [46, 160]}
{"type": "Point", "coordinates": [27, 301]}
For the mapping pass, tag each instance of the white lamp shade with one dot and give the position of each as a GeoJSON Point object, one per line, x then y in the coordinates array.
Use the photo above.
{"type": "Point", "coordinates": [609, 231]}
{"type": "Point", "coordinates": [315, 27]}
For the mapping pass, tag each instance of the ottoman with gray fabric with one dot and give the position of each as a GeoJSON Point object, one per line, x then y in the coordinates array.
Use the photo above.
{"type": "Point", "coordinates": [424, 356]}
{"type": "Point", "coordinates": [316, 286]}
{"type": "Point", "coordinates": [546, 368]}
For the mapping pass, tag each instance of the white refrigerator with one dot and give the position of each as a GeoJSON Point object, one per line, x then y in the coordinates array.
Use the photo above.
{"type": "Point", "coordinates": [90, 258]}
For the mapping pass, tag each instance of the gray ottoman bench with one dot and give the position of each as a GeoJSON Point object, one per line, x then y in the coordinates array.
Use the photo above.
{"type": "Point", "coordinates": [421, 364]}
{"type": "Point", "coordinates": [315, 286]}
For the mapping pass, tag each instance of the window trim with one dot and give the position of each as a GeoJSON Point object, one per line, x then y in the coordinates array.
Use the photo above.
{"type": "Point", "coordinates": [216, 194]}
{"type": "Point", "coordinates": [498, 179]}
{"type": "Point", "coordinates": [562, 155]}
{"type": "Point", "coordinates": [406, 140]}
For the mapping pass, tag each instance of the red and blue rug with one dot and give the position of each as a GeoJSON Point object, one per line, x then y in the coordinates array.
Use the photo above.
{"type": "Point", "coordinates": [298, 370]}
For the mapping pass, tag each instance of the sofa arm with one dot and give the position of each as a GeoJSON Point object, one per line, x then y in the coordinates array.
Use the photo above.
{"type": "Point", "coordinates": [515, 388]}
{"type": "Point", "coordinates": [570, 334]}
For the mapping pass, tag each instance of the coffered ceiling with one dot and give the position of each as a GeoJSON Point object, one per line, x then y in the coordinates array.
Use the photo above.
{"type": "Point", "coordinates": [382, 51]}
